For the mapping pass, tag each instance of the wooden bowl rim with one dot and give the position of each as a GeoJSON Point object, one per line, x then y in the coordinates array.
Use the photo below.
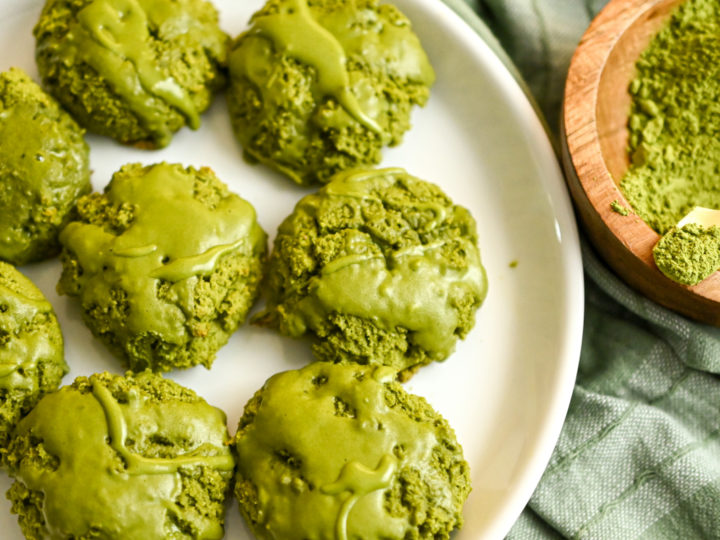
{"type": "Point", "coordinates": [581, 137]}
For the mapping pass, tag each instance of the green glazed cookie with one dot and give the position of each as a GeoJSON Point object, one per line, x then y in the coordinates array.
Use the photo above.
{"type": "Point", "coordinates": [379, 267]}
{"type": "Point", "coordinates": [320, 86]}
{"type": "Point", "coordinates": [31, 349]}
{"type": "Point", "coordinates": [342, 451]}
{"type": "Point", "coordinates": [123, 458]}
{"type": "Point", "coordinates": [134, 70]}
{"type": "Point", "coordinates": [166, 264]}
{"type": "Point", "coordinates": [43, 169]}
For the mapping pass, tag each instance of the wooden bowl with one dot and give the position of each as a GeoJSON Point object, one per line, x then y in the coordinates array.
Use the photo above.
{"type": "Point", "coordinates": [595, 156]}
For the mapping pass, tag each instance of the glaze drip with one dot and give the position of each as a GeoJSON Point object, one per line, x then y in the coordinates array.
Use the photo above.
{"type": "Point", "coordinates": [136, 464]}
{"type": "Point", "coordinates": [113, 37]}
{"type": "Point", "coordinates": [173, 238]}
{"type": "Point", "coordinates": [20, 355]}
{"type": "Point", "coordinates": [87, 467]}
{"type": "Point", "coordinates": [416, 286]}
{"type": "Point", "coordinates": [294, 31]}
{"type": "Point", "coordinates": [358, 480]}
{"type": "Point", "coordinates": [362, 185]}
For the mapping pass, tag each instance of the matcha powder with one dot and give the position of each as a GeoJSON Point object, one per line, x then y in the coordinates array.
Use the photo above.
{"type": "Point", "coordinates": [675, 119]}
{"type": "Point", "coordinates": [689, 254]}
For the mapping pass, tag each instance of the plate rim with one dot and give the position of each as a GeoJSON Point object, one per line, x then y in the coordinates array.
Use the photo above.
{"type": "Point", "coordinates": [566, 226]}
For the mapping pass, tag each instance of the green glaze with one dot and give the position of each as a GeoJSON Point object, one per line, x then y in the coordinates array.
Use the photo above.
{"type": "Point", "coordinates": [31, 347]}
{"type": "Point", "coordinates": [202, 263]}
{"type": "Point", "coordinates": [22, 352]}
{"type": "Point", "coordinates": [412, 287]}
{"type": "Point", "coordinates": [319, 87]}
{"type": "Point", "coordinates": [358, 481]}
{"type": "Point", "coordinates": [136, 464]}
{"type": "Point", "coordinates": [113, 37]}
{"type": "Point", "coordinates": [134, 70]}
{"type": "Point", "coordinates": [43, 169]}
{"type": "Point", "coordinates": [294, 31]}
{"type": "Point", "coordinates": [323, 451]}
{"type": "Point", "coordinates": [173, 238]}
{"type": "Point", "coordinates": [409, 290]}
{"type": "Point", "coordinates": [688, 254]}
{"type": "Point", "coordinates": [97, 483]}
{"type": "Point", "coordinates": [364, 185]}
{"type": "Point", "coordinates": [674, 144]}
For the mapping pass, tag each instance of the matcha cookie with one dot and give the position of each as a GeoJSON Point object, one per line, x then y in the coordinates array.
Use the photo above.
{"type": "Point", "coordinates": [342, 451]}
{"type": "Point", "coordinates": [166, 264]}
{"type": "Point", "coordinates": [31, 348]}
{"type": "Point", "coordinates": [122, 458]}
{"type": "Point", "coordinates": [43, 169]}
{"type": "Point", "coordinates": [380, 267]}
{"type": "Point", "coordinates": [134, 70]}
{"type": "Point", "coordinates": [320, 86]}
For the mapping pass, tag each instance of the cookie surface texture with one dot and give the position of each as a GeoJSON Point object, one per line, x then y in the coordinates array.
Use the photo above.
{"type": "Point", "coordinates": [166, 264]}
{"type": "Point", "coordinates": [133, 70]}
{"type": "Point", "coordinates": [377, 267]}
{"type": "Point", "coordinates": [342, 452]}
{"type": "Point", "coordinates": [31, 348]}
{"type": "Point", "coordinates": [133, 458]}
{"type": "Point", "coordinates": [319, 87]}
{"type": "Point", "coordinates": [44, 168]}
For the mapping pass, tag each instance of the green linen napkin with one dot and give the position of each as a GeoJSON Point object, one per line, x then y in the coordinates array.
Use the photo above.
{"type": "Point", "coordinates": [639, 454]}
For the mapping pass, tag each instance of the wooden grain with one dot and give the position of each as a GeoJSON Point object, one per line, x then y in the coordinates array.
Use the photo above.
{"type": "Point", "coordinates": [595, 113]}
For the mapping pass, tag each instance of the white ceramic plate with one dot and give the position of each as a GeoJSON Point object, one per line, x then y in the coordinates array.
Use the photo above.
{"type": "Point", "coordinates": [506, 388]}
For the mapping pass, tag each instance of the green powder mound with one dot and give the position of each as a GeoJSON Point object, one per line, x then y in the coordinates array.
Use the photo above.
{"type": "Point", "coordinates": [379, 267]}
{"type": "Point", "coordinates": [166, 264]}
{"type": "Point", "coordinates": [31, 349]}
{"type": "Point", "coordinates": [690, 254]}
{"type": "Point", "coordinates": [43, 169]}
{"type": "Point", "coordinates": [136, 457]}
{"type": "Point", "coordinates": [320, 86]}
{"type": "Point", "coordinates": [674, 124]}
{"type": "Point", "coordinates": [342, 451]}
{"type": "Point", "coordinates": [134, 70]}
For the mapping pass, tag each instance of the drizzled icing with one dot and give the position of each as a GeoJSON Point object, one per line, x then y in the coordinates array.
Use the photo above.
{"type": "Point", "coordinates": [322, 86]}
{"type": "Point", "coordinates": [136, 464]}
{"type": "Point", "coordinates": [342, 464]}
{"type": "Point", "coordinates": [97, 482]}
{"type": "Point", "coordinates": [295, 32]}
{"type": "Point", "coordinates": [359, 481]}
{"type": "Point", "coordinates": [44, 169]}
{"type": "Point", "coordinates": [173, 237]}
{"type": "Point", "coordinates": [364, 183]}
{"type": "Point", "coordinates": [25, 347]}
{"type": "Point", "coordinates": [202, 263]}
{"type": "Point", "coordinates": [113, 37]}
{"type": "Point", "coordinates": [411, 288]}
